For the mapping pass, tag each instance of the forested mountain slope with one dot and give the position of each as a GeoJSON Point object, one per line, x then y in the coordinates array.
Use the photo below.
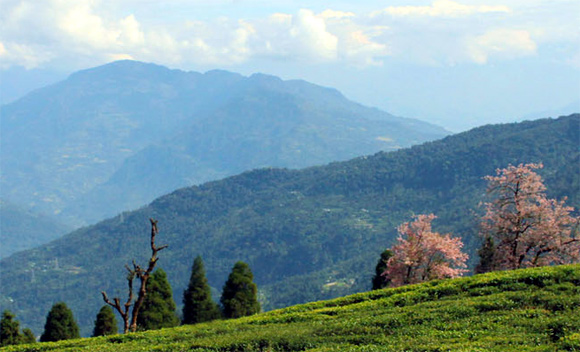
{"type": "Point", "coordinates": [22, 229]}
{"type": "Point", "coordinates": [115, 137]}
{"type": "Point", "coordinates": [307, 234]}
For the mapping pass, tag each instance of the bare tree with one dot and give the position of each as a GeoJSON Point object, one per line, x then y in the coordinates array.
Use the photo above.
{"type": "Point", "coordinates": [143, 275]}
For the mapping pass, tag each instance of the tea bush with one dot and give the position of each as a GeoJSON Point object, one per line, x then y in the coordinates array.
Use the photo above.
{"type": "Point", "coordinates": [524, 310]}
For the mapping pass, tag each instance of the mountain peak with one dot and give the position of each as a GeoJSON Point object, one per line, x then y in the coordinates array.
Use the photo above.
{"type": "Point", "coordinates": [124, 68]}
{"type": "Point", "coordinates": [116, 119]}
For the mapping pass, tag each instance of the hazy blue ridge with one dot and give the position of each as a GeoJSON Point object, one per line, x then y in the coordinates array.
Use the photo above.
{"type": "Point", "coordinates": [142, 130]}
{"type": "Point", "coordinates": [21, 229]}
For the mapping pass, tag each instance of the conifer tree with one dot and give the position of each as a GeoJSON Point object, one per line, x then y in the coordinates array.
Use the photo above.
{"type": "Point", "coordinates": [239, 295]}
{"type": "Point", "coordinates": [9, 330]}
{"type": "Point", "coordinates": [198, 305]}
{"type": "Point", "coordinates": [158, 310]}
{"type": "Point", "coordinates": [380, 280]}
{"type": "Point", "coordinates": [28, 336]}
{"type": "Point", "coordinates": [105, 324]}
{"type": "Point", "coordinates": [60, 324]}
{"type": "Point", "coordinates": [486, 256]}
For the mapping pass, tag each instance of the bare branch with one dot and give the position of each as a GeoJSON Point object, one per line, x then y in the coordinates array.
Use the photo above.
{"type": "Point", "coordinates": [143, 276]}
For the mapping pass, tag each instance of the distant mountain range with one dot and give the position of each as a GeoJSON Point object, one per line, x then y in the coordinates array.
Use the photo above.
{"type": "Point", "coordinates": [307, 234]}
{"type": "Point", "coordinates": [115, 137]}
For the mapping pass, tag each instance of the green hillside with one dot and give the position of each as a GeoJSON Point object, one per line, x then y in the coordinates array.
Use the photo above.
{"type": "Point", "coordinates": [524, 310]}
{"type": "Point", "coordinates": [307, 234]}
{"type": "Point", "coordinates": [22, 229]}
{"type": "Point", "coordinates": [117, 136]}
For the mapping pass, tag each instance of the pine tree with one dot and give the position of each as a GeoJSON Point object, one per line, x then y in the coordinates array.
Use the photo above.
{"type": "Point", "coordinates": [198, 305]}
{"type": "Point", "coordinates": [9, 330]}
{"type": "Point", "coordinates": [239, 296]}
{"type": "Point", "coordinates": [60, 324]}
{"type": "Point", "coordinates": [28, 336]}
{"type": "Point", "coordinates": [486, 256]}
{"type": "Point", "coordinates": [379, 280]}
{"type": "Point", "coordinates": [158, 310]}
{"type": "Point", "coordinates": [105, 324]}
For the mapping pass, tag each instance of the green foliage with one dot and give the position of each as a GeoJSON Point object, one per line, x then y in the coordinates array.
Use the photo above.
{"type": "Point", "coordinates": [28, 336]}
{"type": "Point", "coordinates": [158, 309]}
{"type": "Point", "coordinates": [32, 228]}
{"type": "Point", "coordinates": [308, 235]}
{"type": "Point", "coordinates": [486, 255]}
{"type": "Point", "coordinates": [379, 280]}
{"type": "Point", "coordinates": [105, 323]}
{"type": "Point", "coordinates": [9, 329]}
{"type": "Point", "coordinates": [198, 306]}
{"type": "Point", "coordinates": [60, 324]}
{"type": "Point", "coordinates": [239, 295]}
{"type": "Point", "coordinates": [517, 313]}
{"type": "Point", "coordinates": [571, 342]}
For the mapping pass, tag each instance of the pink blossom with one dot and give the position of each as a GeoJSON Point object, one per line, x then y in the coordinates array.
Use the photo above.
{"type": "Point", "coordinates": [422, 255]}
{"type": "Point", "coordinates": [529, 230]}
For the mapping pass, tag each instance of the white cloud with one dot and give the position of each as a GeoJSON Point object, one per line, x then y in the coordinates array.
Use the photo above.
{"type": "Point", "coordinates": [130, 31]}
{"type": "Point", "coordinates": [440, 8]}
{"type": "Point", "coordinates": [311, 37]}
{"type": "Point", "coordinates": [83, 30]}
{"type": "Point", "coordinates": [23, 55]}
{"type": "Point", "coordinates": [503, 43]}
{"type": "Point", "coordinates": [336, 14]}
{"type": "Point", "coordinates": [86, 32]}
{"type": "Point", "coordinates": [116, 57]}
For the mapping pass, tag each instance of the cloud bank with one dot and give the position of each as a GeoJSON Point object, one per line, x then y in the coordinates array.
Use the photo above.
{"type": "Point", "coordinates": [88, 32]}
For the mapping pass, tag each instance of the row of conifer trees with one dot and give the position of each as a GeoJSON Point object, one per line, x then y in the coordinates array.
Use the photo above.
{"type": "Point", "coordinates": [239, 298]}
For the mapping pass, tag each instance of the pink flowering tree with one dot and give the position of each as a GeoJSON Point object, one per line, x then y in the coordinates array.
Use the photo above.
{"type": "Point", "coordinates": [421, 254]}
{"type": "Point", "coordinates": [528, 229]}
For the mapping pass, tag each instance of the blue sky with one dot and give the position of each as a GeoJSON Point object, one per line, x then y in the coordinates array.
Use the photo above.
{"type": "Point", "coordinates": [456, 63]}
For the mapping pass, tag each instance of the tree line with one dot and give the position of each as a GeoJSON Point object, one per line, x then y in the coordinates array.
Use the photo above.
{"type": "Point", "coordinates": [157, 309]}
{"type": "Point", "coordinates": [521, 228]}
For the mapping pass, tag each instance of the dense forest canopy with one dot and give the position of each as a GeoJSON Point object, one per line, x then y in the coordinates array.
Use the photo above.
{"type": "Point", "coordinates": [307, 234]}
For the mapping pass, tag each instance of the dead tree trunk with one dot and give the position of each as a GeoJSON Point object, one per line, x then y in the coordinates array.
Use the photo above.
{"type": "Point", "coordinates": [143, 276]}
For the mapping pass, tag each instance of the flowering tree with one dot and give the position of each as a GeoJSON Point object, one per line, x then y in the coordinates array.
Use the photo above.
{"type": "Point", "coordinates": [421, 254]}
{"type": "Point", "coordinates": [527, 228]}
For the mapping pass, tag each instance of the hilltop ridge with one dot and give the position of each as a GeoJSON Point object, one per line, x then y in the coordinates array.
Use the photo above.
{"type": "Point", "coordinates": [307, 234]}
{"type": "Point", "coordinates": [144, 130]}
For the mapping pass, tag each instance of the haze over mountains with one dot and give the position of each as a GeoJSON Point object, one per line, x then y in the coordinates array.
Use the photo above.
{"type": "Point", "coordinates": [114, 137]}
{"type": "Point", "coordinates": [307, 234]}
{"type": "Point", "coordinates": [22, 229]}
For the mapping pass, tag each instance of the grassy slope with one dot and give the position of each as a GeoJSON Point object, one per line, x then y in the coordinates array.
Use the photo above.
{"type": "Point", "coordinates": [524, 310]}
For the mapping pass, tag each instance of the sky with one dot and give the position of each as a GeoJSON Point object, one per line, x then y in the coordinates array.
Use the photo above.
{"type": "Point", "coordinates": [456, 63]}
